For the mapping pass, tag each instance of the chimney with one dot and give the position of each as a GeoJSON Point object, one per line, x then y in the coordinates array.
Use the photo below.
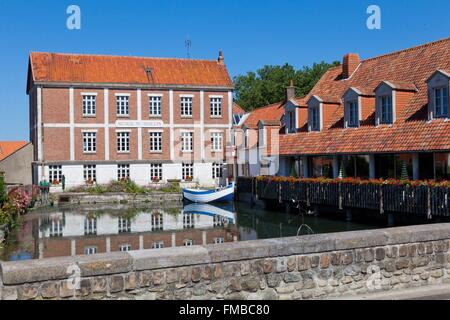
{"type": "Point", "coordinates": [221, 60]}
{"type": "Point", "coordinates": [350, 63]}
{"type": "Point", "coordinates": [290, 90]}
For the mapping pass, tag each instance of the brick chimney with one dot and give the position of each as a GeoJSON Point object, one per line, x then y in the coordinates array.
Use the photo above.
{"type": "Point", "coordinates": [221, 60]}
{"type": "Point", "coordinates": [349, 64]}
{"type": "Point", "coordinates": [290, 90]}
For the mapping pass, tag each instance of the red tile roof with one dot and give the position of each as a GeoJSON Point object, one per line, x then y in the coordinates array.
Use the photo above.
{"type": "Point", "coordinates": [7, 148]}
{"type": "Point", "coordinates": [271, 112]}
{"type": "Point", "coordinates": [78, 68]}
{"type": "Point", "coordinates": [411, 131]}
{"type": "Point", "coordinates": [237, 109]}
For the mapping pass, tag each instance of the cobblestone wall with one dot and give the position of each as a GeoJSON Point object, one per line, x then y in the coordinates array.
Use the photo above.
{"type": "Point", "coordinates": [309, 267]}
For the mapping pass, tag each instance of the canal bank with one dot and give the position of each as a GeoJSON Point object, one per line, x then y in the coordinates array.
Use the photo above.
{"type": "Point", "coordinates": [308, 267]}
{"type": "Point", "coordinates": [117, 197]}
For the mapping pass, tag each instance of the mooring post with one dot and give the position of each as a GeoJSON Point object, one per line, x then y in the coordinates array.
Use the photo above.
{"type": "Point", "coordinates": [391, 219]}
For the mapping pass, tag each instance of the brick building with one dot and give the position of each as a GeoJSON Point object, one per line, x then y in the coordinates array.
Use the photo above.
{"type": "Point", "coordinates": [102, 118]}
{"type": "Point", "coordinates": [382, 117]}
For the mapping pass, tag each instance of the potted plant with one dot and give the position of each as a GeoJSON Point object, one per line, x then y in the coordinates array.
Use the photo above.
{"type": "Point", "coordinates": [189, 179]}
{"type": "Point", "coordinates": [55, 182]}
{"type": "Point", "coordinates": [89, 181]}
{"type": "Point", "coordinates": [155, 179]}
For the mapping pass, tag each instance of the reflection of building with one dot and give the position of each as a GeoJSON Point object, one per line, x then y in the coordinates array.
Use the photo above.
{"type": "Point", "coordinates": [71, 233]}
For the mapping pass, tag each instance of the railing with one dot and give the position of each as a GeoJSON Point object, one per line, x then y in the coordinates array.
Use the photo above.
{"type": "Point", "coordinates": [417, 200]}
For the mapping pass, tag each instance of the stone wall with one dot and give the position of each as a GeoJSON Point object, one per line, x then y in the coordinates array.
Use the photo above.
{"type": "Point", "coordinates": [308, 267]}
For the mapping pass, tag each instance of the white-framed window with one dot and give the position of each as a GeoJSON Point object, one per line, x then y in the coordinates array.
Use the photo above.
{"type": "Point", "coordinates": [124, 225]}
{"type": "Point", "coordinates": [215, 106]}
{"type": "Point", "coordinates": [216, 141]}
{"type": "Point", "coordinates": [186, 106]}
{"type": "Point", "coordinates": [187, 141]}
{"type": "Point", "coordinates": [157, 222]}
{"type": "Point", "coordinates": [441, 102]}
{"type": "Point", "coordinates": [155, 105]}
{"type": "Point", "coordinates": [188, 242]}
{"type": "Point", "coordinates": [90, 172]}
{"type": "Point", "coordinates": [291, 125]}
{"type": "Point", "coordinates": [315, 119]}
{"type": "Point", "coordinates": [90, 250]}
{"type": "Point", "coordinates": [156, 171]}
{"type": "Point", "coordinates": [187, 171]}
{"type": "Point", "coordinates": [353, 118]}
{"type": "Point", "coordinates": [386, 109]}
{"type": "Point", "coordinates": [122, 105]}
{"type": "Point", "coordinates": [90, 226]}
{"type": "Point", "coordinates": [55, 174]}
{"type": "Point", "coordinates": [89, 142]}
{"type": "Point", "coordinates": [123, 141]}
{"type": "Point", "coordinates": [123, 171]}
{"type": "Point", "coordinates": [217, 171]}
{"type": "Point", "coordinates": [155, 141]}
{"type": "Point", "coordinates": [56, 228]}
{"type": "Point", "coordinates": [188, 221]}
{"type": "Point", "coordinates": [89, 105]}
{"type": "Point", "coordinates": [219, 240]}
{"type": "Point", "coordinates": [125, 247]}
{"type": "Point", "coordinates": [246, 139]}
{"type": "Point", "coordinates": [158, 244]}
{"type": "Point", "coordinates": [219, 221]}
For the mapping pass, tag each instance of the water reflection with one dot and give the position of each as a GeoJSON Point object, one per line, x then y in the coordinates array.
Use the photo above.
{"type": "Point", "coordinates": [108, 228]}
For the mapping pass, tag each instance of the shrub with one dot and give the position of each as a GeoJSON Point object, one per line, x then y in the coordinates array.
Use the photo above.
{"type": "Point", "coordinates": [171, 188]}
{"type": "Point", "coordinates": [20, 200]}
{"type": "Point", "coordinates": [3, 194]}
{"type": "Point", "coordinates": [4, 217]}
{"type": "Point", "coordinates": [97, 189]}
{"type": "Point", "coordinates": [132, 187]}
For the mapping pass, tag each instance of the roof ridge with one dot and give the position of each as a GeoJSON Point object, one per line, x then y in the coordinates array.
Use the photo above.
{"type": "Point", "coordinates": [118, 56]}
{"type": "Point", "coordinates": [407, 49]}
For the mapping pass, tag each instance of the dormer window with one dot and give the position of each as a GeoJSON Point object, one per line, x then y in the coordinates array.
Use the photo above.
{"type": "Point", "coordinates": [291, 122]}
{"type": "Point", "coordinates": [441, 102]}
{"type": "Point", "coordinates": [315, 121]}
{"type": "Point", "coordinates": [385, 109]}
{"type": "Point", "coordinates": [353, 114]}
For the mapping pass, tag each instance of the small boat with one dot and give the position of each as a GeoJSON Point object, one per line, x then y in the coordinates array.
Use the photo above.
{"type": "Point", "coordinates": [206, 196]}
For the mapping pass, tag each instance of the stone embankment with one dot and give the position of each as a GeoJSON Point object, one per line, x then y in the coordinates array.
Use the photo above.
{"type": "Point", "coordinates": [307, 267]}
{"type": "Point", "coordinates": [89, 198]}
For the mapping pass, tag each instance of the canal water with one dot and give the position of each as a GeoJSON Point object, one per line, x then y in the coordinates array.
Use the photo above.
{"type": "Point", "coordinates": [79, 230]}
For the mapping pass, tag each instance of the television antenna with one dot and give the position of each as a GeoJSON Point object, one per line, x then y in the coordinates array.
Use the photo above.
{"type": "Point", "coordinates": [188, 45]}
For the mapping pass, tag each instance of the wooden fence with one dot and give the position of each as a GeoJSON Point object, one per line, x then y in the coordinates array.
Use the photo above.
{"type": "Point", "coordinates": [417, 200]}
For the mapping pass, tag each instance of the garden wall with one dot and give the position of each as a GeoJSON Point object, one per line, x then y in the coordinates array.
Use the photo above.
{"type": "Point", "coordinates": [308, 267]}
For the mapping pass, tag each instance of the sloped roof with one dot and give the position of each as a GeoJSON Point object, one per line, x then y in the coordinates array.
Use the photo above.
{"type": "Point", "coordinates": [7, 148]}
{"type": "Point", "coordinates": [80, 68]}
{"type": "Point", "coordinates": [237, 109]}
{"type": "Point", "coordinates": [409, 69]}
{"type": "Point", "coordinates": [270, 112]}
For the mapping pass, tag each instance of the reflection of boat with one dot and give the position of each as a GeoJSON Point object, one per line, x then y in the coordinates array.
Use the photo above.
{"type": "Point", "coordinates": [207, 209]}
{"type": "Point", "coordinates": [206, 196]}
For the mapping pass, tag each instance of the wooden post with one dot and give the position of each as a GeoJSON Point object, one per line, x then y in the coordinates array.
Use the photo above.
{"type": "Point", "coordinates": [381, 200]}
{"type": "Point", "coordinates": [429, 203]}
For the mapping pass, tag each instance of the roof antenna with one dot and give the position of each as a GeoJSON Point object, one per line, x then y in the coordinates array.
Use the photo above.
{"type": "Point", "coordinates": [188, 45]}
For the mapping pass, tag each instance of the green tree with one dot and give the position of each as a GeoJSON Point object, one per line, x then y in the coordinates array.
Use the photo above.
{"type": "Point", "coordinates": [3, 194]}
{"type": "Point", "coordinates": [268, 84]}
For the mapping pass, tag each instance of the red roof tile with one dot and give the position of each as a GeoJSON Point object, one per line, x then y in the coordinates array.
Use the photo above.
{"type": "Point", "coordinates": [237, 109]}
{"type": "Point", "coordinates": [7, 148]}
{"type": "Point", "coordinates": [271, 112]}
{"type": "Point", "coordinates": [409, 70]}
{"type": "Point", "coordinates": [77, 68]}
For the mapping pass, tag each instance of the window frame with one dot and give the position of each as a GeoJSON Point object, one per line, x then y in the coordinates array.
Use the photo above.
{"type": "Point", "coordinates": [123, 141]}
{"type": "Point", "coordinates": [186, 106]}
{"type": "Point", "coordinates": [216, 141]}
{"type": "Point", "coordinates": [89, 104]}
{"type": "Point", "coordinates": [353, 104]}
{"type": "Point", "coordinates": [122, 105]}
{"type": "Point", "coordinates": [315, 118]}
{"type": "Point", "coordinates": [123, 171]}
{"type": "Point", "coordinates": [390, 109]}
{"type": "Point", "coordinates": [216, 106]}
{"type": "Point", "coordinates": [89, 142]}
{"type": "Point", "coordinates": [187, 170]}
{"type": "Point", "coordinates": [155, 105]}
{"type": "Point", "coordinates": [156, 171]}
{"type": "Point", "coordinates": [187, 140]}
{"type": "Point", "coordinates": [443, 101]}
{"type": "Point", "coordinates": [217, 170]}
{"type": "Point", "coordinates": [90, 172]}
{"type": "Point", "coordinates": [158, 135]}
{"type": "Point", "coordinates": [55, 174]}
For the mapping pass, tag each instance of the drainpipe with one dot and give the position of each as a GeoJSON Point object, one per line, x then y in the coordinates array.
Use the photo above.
{"type": "Point", "coordinates": [371, 166]}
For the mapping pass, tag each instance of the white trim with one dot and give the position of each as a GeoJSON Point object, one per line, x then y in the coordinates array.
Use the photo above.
{"type": "Point", "coordinates": [186, 96]}
{"type": "Point", "coordinates": [123, 130]}
{"type": "Point", "coordinates": [215, 96]}
{"type": "Point", "coordinates": [139, 116]}
{"type": "Point", "coordinates": [155, 94]}
{"type": "Point", "coordinates": [122, 94]}
{"type": "Point", "coordinates": [186, 130]}
{"type": "Point", "coordinates": [155, 130]}
{"type": "Point", "coordinates": [39, 123]}
{"type": "Point", "coordinates": [112, 125]}
{"type": "Point", "coordinates": [106, 125]}
{"type": "Point", "coordinates": [89, 93]}
{"type": "Point", "coordinates": [216, 130]}
{"type": "Point", "coordinates": [72, 124]}
{"type": "Point", "coordinates": [202, 125]}
{"type": "Point", "coordinates": [90, 130]}
{"type": "Point", "coordinates": [172, 134]}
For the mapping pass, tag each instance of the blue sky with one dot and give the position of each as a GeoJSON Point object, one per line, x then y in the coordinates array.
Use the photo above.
{"type": "Point", "coordinates": [250, 33]}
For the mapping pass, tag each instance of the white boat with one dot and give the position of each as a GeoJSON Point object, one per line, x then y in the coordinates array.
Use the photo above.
{"type": "Point", "coordinates": [206, 196]}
